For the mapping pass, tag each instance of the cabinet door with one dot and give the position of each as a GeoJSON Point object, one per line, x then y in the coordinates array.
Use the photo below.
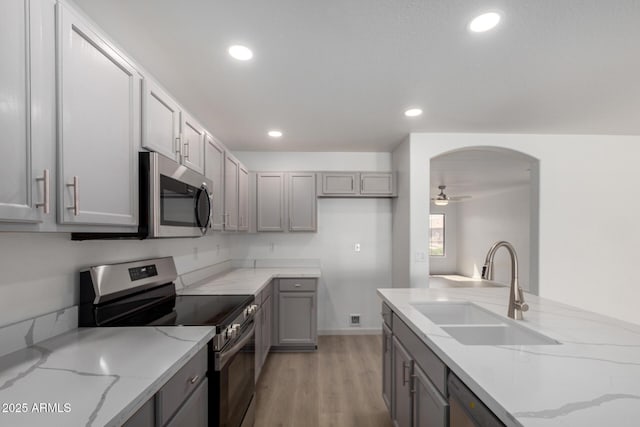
{"type": "Point", "coordinates": [401, 396]}
{"type": "Point", "coordinates": [270, 200]}
{"type": "Point", "coordinates": [243, 198]}
{"type": "Point", "coordinates": [377, 184]}
{"type": "Point", "coordinates": [430, 409]}
{"type": "Point", "coordinates": [16, 199]}
{"type": "Point", "coordinates": [266, 327]}
{"type": "Point", "coordinates": [302, 202]}
{"type": "Point", "coordinates": [339, 183]}
{"type": "Point", "coordinates": [144, 417]}
{"type": "Point", "coordinates": [387, 367]}
{"type": "Point", "coordinates": [192, 141]}
{"type": "Point", "coordinates": [195, 411]}
{"type": "Point", "coordinates": [161, 121]}
{"type": "Point", "coordinates": [214, 170]}
{"type": "Point", "coordinates": [259, 341]}
{"type": "Point", "coordinates": [99, 128]}
{"type": "Point", "coordinates": [297, 318]}
{"type": "Point", "coordinates": [231, 169]}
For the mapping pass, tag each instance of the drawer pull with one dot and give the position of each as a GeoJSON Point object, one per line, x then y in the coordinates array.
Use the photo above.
{"type": "Point", "coordinates": [194, 379]}
{"type": "Point", "coordinates": [297, 285]}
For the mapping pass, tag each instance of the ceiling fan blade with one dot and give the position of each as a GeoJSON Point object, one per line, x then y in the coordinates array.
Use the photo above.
{"type": "Point", "coordinates": [458, 198]}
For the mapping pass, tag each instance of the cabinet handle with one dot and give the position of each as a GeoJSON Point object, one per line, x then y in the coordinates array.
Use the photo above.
{"type": "Point", "coordinates": [194, 379]}
{"type": "Point", "coordinates": [186, 149]}
{"type": "Point", "coordinates": [76, 198]}
{"type": "Point", "coordinates": [405, 365]}
{"type": "Point", "coordinates": [412, 389]}
{"type": "Point", "coordinates": [177, 148]}
{"type": "Point", "coordinates": [45, 179]}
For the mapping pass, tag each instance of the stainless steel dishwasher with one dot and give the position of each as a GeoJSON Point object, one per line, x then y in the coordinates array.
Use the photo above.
{"type": "Point", "coordinates": [465, 409]}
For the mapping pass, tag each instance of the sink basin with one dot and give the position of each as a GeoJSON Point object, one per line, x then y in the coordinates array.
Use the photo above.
{"type": "Point", "coordinates": [474, 325]}
{"type": "Point", "coordinates": [497, 335]}
{"type": "Point", "coordinates": [457, 313]}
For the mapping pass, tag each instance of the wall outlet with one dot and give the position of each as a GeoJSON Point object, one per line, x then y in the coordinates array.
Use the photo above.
{"type": "Point", "coordinates": [354, 320]}
{"type": "Point", "coordinates": [421, 256]}
{"type": "Point", "coordinates": [356, 247]}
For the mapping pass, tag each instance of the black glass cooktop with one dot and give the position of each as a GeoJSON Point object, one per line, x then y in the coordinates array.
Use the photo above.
{"type": "Point", "coordinates": [186, 310]}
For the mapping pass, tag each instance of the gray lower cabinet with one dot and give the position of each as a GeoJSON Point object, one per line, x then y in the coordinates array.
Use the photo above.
{"type": "Point", "coordinates": [401, 395]}
{"type": "Point", "coordinates": [296, 314]}
{"type": "Point", "coordinates": [264, 327]}
{"type": "Point", "coordinates": [417, 377]}
{"type": "Point", "coordinates": [182, 401]}
{"type": "Point", "coordinates": [387, 366]}
{"type": "Point", "coordinates": [144, 417]}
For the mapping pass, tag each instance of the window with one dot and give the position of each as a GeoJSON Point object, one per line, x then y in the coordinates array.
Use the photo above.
{"type": "Point", "coordinates": [436, 235]}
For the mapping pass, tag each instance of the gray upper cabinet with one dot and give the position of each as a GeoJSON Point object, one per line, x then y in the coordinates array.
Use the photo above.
{"type": "Point", "coordinates": [243, 198]}
{"type": "Point", "coordinates": [270, 201]}
{"type": "Point", "coordinates": [214, 170]}
{"type": "Point", "coordinates": [19, 192]}
{"type": "Point", "coordinates": [356, 184]}
{"type": "Point", "coordinates": [338, 183]}
{"type": "Point", "coordinates": [286, 201]}
{"type": "Point", "coordinates": [302, 202]}
{"type": "Point", "coordinates": [161, 121]}
{"type": "Point", "coordinates": [192, 139]}
{"type": "Point", "coordinates": [231, 170]}
{"type": "Point", "coordinates": [98, 126]}
{"type": "Point", "coordinates": [377, 184]}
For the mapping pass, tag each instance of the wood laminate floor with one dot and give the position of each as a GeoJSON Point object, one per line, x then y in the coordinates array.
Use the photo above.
{"type": "Point", "coordinates": [339, 385]}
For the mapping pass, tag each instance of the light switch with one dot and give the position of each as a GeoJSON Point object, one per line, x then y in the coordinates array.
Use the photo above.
{"type": "Point", "coordinates": [421, 256]}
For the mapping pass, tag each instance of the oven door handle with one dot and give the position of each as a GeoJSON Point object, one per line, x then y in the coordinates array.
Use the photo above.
{"type": "Point", "coordinates": [225, 356]}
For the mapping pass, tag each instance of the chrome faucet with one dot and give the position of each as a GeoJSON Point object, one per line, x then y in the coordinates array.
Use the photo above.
{"type": "Point", "coordinates": [516, 299]}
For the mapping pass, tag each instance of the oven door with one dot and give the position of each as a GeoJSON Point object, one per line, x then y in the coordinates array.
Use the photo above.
{"type": "Point", "coordinates": [233, 386]}
{"type": "Point", "coordinates": [180, 200]}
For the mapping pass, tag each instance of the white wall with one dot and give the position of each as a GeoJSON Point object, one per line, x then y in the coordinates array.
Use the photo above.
{"type": "Point", "coordinates": [587, 249]}
{"type": "Point", "coordinates": [446, 264]}
{"type": "Point", "coordinates": [40, 270]}
{"type": "Point", "coordinates": [485, 220]}
{"type": "Point", "coordinates": [349, 279]}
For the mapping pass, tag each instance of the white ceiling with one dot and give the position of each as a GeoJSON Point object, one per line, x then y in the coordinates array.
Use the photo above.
{"type": "Point", "coordinates": [337, 75]}
{"type": "Point", "coordinates": [479, 172]}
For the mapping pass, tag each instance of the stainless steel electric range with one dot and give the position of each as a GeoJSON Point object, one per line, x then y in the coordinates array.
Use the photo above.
{"type": "Point", "coordinates": [143, 293]}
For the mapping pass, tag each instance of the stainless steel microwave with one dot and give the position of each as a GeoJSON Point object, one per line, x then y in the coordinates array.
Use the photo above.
{"type": "Point", "coordinates": [174, 202]}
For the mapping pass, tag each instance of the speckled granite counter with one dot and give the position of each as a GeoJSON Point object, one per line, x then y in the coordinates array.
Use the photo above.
{"type": "Point", "coordinates": [93, 376]}
{"type": "Point", "coordinates": [246, 280]}
{"type": "Point", "coordinates": [591, 379]}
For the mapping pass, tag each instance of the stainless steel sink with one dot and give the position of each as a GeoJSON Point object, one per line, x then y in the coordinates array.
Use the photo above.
{"type": "Point", "coordinates": [470, 324]}
{"type": "Point", "coordinates": [458, 313]}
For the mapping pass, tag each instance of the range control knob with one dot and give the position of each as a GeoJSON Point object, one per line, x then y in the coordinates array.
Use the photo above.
{"type": "Point", "coordinates": [235, 328]}
{"type": "Point", "coordinates": [253, 308]}
{"type": "Point", "coordinates": [228, 332]}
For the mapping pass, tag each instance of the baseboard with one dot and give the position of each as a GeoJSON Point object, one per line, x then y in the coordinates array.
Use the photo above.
{"type": "Point", "coordinates": [351, 331]}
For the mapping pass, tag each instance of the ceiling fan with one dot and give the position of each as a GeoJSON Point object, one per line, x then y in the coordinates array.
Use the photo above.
{"type": "Point", "coordinates": [443, 200]}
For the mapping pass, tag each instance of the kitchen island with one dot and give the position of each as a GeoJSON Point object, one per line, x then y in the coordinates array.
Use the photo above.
{"type": "Point", "coordinates": [592, 378]}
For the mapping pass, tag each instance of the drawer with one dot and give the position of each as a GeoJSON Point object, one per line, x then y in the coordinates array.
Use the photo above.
{"type": "Point", "coordinates": [195, 411]}
{"type": "Point", "coordinates": [180, 386]}
{"type": "Point", "coordinates": [431, 364]}
{"type": "Point", "coordinates": [386, 315]}
{"type": "Point", "coordinates": [308, 285]}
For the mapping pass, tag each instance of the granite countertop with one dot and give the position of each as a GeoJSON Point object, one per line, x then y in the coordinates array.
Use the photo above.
{"type": "Point", "coordinates": [93, 376]}
{"type": "Point", "coordinates": [591, 379]}
{"type": "Point", "coordinates": [246, 280]}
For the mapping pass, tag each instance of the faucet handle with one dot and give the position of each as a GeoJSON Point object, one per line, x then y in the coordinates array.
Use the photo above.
{"type": "Point", "coordinates": [522, 306]}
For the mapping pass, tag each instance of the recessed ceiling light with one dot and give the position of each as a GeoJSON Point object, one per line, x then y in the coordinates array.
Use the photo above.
{"type": "Point", "coordinates": [484, 22]}
{"type": "Point", "coordinates": [413, 112]}
{"type": "Point", "coordinates": [241, 53]}
{"type": "Point", "coordinates": [274, 133]}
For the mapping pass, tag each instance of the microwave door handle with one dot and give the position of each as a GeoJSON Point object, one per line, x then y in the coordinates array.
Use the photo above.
{"type": "Point", "coordinates": [204, 225]}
